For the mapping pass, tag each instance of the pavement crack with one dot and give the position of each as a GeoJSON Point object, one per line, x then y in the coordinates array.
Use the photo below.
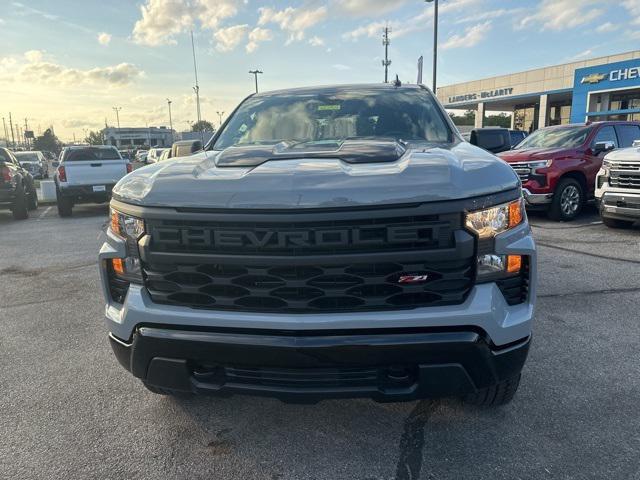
{"type": "Point", "coordinates": [412, 441]}
{"type": "Point", "coordinates": [595, 255]}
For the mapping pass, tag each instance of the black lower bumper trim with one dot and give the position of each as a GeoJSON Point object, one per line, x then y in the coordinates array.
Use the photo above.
{"type": "Point", "coordinates": [385, 367]}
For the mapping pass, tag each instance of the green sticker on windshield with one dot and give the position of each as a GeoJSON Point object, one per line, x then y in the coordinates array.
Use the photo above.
{"type": "Point", "coordinates": [324, 108]}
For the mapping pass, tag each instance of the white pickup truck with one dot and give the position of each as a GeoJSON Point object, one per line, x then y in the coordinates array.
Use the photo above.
{"type": "Point", "coordinates": [87, 174]}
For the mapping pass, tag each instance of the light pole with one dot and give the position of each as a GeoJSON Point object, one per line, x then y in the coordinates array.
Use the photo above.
{"type": "Point", "coordinates": [255, 74]}
{"type": "Point", "coordinates": [220, 114]}
{"type": "Point", "coordinates": [117, 110]}
{"type": "Point", "coordinates": [170, 120]}
{"type": "Point", "coordinates": [435, 41]}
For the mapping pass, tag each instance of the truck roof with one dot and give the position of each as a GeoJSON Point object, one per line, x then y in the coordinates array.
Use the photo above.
{"type": "Point", "coordinates": [332, 89]}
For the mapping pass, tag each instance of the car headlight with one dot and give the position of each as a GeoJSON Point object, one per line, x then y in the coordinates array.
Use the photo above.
{"type": "Point", "coordinates": [495, 220]}
{"type": "Point", "coordinates": [534, 166]}
{"type": "Point", "coordinates": [130, 229]}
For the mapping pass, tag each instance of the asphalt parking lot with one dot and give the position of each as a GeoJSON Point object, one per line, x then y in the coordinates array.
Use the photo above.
{"type": "Point", "coordinates": [68, 410]}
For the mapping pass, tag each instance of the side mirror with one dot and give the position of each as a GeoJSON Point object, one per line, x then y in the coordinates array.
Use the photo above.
{"type": "Point", "coordinates": [55, 164]}
{"type": "Point", "coordinates": [605, 146]}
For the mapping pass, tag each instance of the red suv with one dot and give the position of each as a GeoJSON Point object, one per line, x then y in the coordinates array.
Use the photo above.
{"type": "Point", "coordinates": [558, 165]}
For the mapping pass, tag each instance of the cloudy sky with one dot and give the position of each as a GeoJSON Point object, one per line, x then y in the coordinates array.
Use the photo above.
{"type": "Point", "coordinates": [68, 62]}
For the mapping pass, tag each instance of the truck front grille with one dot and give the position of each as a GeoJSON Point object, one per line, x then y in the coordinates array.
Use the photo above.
{"type": "Point", "coordinates": [624, 180]}
{"type": "Point", "coordinates": [310, 288]}
{"type": "Point", "coordinates": [523, 171]}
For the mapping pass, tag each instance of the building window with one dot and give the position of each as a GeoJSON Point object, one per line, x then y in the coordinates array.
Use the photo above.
{"type": "Point", "coordinates": [625, 101]}
{"type": "Point", "coordinates": [559, 114]}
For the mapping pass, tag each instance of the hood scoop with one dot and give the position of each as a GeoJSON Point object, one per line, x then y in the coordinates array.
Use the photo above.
{"type": "Point", "coordinates": [361, 150]}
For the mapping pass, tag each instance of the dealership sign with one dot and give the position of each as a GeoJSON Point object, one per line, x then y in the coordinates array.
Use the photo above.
{"type": "Point", "coordinates": [500, 92]}
{"type": "Point", "coordinates": [613, 76]}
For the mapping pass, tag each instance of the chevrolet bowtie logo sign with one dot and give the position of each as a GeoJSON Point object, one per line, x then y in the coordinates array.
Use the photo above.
{"type": "Point", "coordinates": [593, 78]}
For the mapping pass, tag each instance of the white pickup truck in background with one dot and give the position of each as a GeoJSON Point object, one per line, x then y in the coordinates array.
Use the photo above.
{"type": "Point", "coordinates": [87, 174]}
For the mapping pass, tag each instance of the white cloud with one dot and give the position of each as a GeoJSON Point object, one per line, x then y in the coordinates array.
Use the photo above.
{"type": "Point", "coordinates": [104, 38]}
{"type": "Point", "coordinates": [34, 56]}
{"type": "Point", "coordinates": [471, 37]}
{"type": "Point", "coordinates": [34, 69]}
{"type": "Point", "coordinates": [340, 66]}
{"type": "Point", "coordinates": [162, 20]}
{"type": "Point", "coordinates": [316, 41]}
{"type": "Point", "coordinates": [229, 38]}
{"type": "Point", "coordinates": [606, 27]}
{"type": "Point", "coordinates": [408, 25]}
{"type": "Point", "coordinates": [256, 36]}
{"type": "Point", "coordinates": [563, 14]}
{"type": "Point", "coordinates": [633, 7]}
{"type": "Point", "coordinates": [368, 8]}
{"type": "Point", "coordinates": [585, 53]}
{"type": "Point", "coordinates": [2, 22]}
{"type": "Point", "coordinates": [295, 21]}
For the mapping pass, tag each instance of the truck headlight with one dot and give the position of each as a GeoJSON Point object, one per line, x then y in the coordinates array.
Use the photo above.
{"type": "Point", "coordinates": [495, 220]}
{"type": "Point", "coordinates": [493, 267]}
{"type": "Point", "coordinates": [130, 229]}
{"type": "Point", "coordinates": [534, 166]}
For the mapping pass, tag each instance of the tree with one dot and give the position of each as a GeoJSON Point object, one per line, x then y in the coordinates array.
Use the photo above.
{"type": "Point", "coordinates": [95, 138]}
{"type": "Point", "coordinates": [501, 120]}
{"type": "Point", "coordinates": [202, 126]}
{"type": "Point", "coordinates": [467, 119]}
{"type": "Point", "coordinates": [47, 142]}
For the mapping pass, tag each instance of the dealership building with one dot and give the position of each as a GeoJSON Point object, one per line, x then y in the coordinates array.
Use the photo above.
{"type": "Point", "coordinates": [603, 88]}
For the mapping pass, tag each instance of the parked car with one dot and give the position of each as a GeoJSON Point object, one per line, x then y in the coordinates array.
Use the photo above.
{"type": "Point", "coordinates": [87, 174]}
{"type": "Point", "coordinates": [345, 243]}
{"type": "Point", "coordinates": [516, 137]}
{"type": "Point", "coordinates": [165, 155]}
{"type": "Point", "coordinates": [142, 156]}
{"type": "Point", "coordinates": [184, 148]}
{"type": "Point", "coordinates": [17, 188]}
{"type": "Point", "coordinates": [492, 139]}
{"type": "Point", "coordinates": [558, 165]}
{"type": "Point", "coordinates": [154, 154]}
{"type": "Point", "coordinates": [618, 187]}
{"type": "Point", "coordinates": [35, 162]}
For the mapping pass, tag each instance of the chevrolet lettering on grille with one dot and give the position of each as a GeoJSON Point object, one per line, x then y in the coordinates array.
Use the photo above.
{"type": "Point", "coordinates": [265, 239]}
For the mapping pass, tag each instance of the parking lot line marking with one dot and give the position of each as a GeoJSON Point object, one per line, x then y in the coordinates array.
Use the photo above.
{"type": "Point", "coordinates": [44, 214]}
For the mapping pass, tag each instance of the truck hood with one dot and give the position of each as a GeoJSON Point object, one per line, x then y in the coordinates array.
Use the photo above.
{"type": "Point", "coordinates": [418, 173]}
{"type": "Point", "coordinates": [526, 154]}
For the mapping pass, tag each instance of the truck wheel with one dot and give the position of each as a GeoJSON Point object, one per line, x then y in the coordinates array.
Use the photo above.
{"type": "Point", "coordinates": [164, 391]}
{"type": "Point", "coordinates": [65, 206]}
{"type": "Point", "coordinates": [495, 395]}
{"type": "Point", "coordinates": [568, 200]}
{"type": "Point", "coordinates": [33, 199]}
{"type": "Point", "coordinates": [615, 223]}
{"type": "Point", "coordinates": [19, 209]}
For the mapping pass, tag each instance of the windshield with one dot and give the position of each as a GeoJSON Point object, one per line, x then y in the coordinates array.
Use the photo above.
{"type": "Point", "coordinates": [26, 157]}
{"type": "Point", "coordinates": [564, 137]}
{"type": "Point", "coordinates": [90, 153]}
{"type": "Point", "coordinates": [306, 117]}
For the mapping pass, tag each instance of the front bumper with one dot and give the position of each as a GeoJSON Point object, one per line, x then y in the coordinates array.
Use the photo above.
{"type": "Point", "coordinates": [387, 365]}
{"type": "Point", "coordinates": [620, 205]}
{"type": "Point", "coordinates": [536, 199]}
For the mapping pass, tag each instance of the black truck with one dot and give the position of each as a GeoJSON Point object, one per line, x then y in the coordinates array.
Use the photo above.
{"type": "Point", "coordinates": [17, 188]}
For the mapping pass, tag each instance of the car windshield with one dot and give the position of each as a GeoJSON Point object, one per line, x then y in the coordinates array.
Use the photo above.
{"type": "Point", "coordinates": [26, 157]}
{"type": "Point", "coordinates": [90, 153]}
{"type": "Point", "coordinates": [304, 117]}
{"type": "Point", "coordinates": [565, 137]}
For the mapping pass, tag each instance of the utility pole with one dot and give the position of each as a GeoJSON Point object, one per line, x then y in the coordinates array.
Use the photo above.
{"type": "Point", "coordinates": [13, 139]}
{"type": "Point", "coordinates": [170, 120]}
{"type": "Point", "coordinates": [6, 133]}
{"type": "Point", "coordinates": [255, 73]}
{"type": "Point", "coordinates": [195, 70]}
{"type": "Point", "coordinates": [117, 110]}
{"type": "Point", "coordinates": [435, 42]}
{"type": "Point", "coordinates": [26, 127]}
{"type": "Point", "coordinates": [220, 114]}
{"type": "Point", "coordinates": [386, 62]}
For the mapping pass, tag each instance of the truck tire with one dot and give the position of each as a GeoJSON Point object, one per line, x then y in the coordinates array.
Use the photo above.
{"type": "Point", "coordinates": [33, 199]}
{"type": "Point", "coordinates": [19, 209]}
{"type": "Point", "coordinates": [65, 206]}
{"type": "Point", "coordinates": [568, 200]}
{"type": "Point", "coordinates": [615, 223]}
{"type": "Point", "coordinates": [495, 395]}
